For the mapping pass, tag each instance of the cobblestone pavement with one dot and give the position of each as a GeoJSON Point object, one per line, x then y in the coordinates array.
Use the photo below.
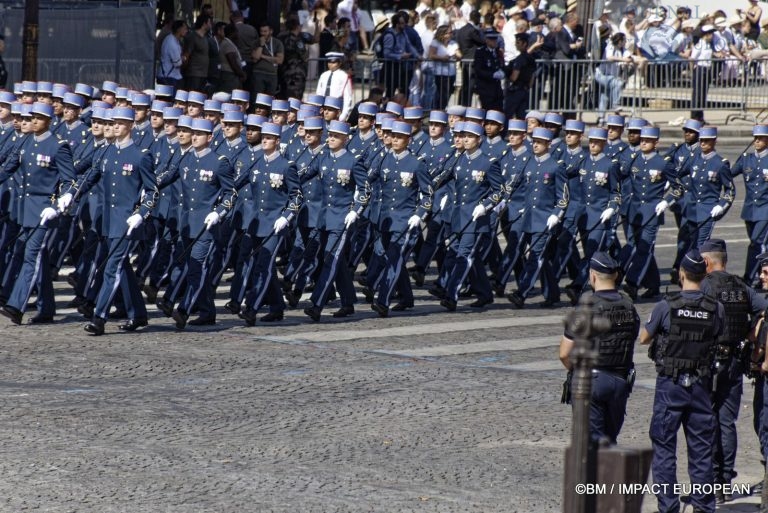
{"type": "Point", "coordinates": [425, 412]}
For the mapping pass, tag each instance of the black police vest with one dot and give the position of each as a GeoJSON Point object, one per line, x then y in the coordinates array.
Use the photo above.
{"type": "Point", "coordinates": [689, 346]}
{"type": "Point", "coordinates": [616, 347]}
{"type": "Point", "coordinates": [732, 293]}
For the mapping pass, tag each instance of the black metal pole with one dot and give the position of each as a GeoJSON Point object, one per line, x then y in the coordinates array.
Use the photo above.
{"type": "Point", "coordinates": [30, 40]}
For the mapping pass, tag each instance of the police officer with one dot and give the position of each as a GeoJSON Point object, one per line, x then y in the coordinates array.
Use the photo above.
{"type": "Point", "coordinates": [46, 168]}
{"type": "Point", "coordinates": [545, 206]}
{"type": "Point", "coordinates": [599, 189]}
{"type": "Point", "coordinates": [341, 182]}
{"type": "Point", "coordinates": [488, 71]}
{"type": "Point", "coordinates": [684, 329]}
{"type": "Point", "coordinates": [126, 176]}
{"type": "Point", "coordinates": [613, 372]}
{"type": "Point", "coordinates": [754, 167]}
{"type": "Point", "coordinates": [648, 174]}
{"type": "Point", "coordinates": [740, 303]}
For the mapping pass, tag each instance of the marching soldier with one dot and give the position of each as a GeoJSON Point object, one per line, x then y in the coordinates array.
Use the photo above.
{"type": "Point", "coordinates": [478, 189]}
{"type": "Point", "coordinates": [545, 206]}
{"type": "Point", "coordinates": [613, 373]}
{"type": "Point", "coordinates": [599, 189]}
{"type": "Point", "coordinates": [754, 167]}
{"type": "Point", "coordinates": [45, 165]}
{"type": "Point", "coordinates": [648, 174]}
{"type": "Point", "coordinates": [567, 254]}
{"type": "Point", "coordinates": [341, 182]}
{"type": "Point", "coordinates": [493, 145]}
{"type": "Point", "coordinates": [683, 331]}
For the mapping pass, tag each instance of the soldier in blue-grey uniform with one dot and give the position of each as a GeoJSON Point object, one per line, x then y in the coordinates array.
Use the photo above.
{"type": "Point", "coordinates": [364, 135]}
{"type": "Point", "coordinates": [613, 372]}
{"type": "Point", "coordinates": [195, 102]}
{"type": "Point", "coordinates": [511, 164]}
{"type": "Point", "coordinates": [45, 166]}
{"type": "Point", "coordinates": [304, 256]}
{"type": "Point", "coordinates": [711, 190]}
{"type": "Point", "coordinates": [626, 159]}
{"type": "Point", "coordinates": [126, 177]}
{"type": "Point", "coordinates": [71, 128]}
{"type": "Point", "coordinates": [406, 199]}
{"type": "Point", "coordinates": [742, 306]}
{"type": "Point", "coordinates": [439, 155]}
{"type": "Point", "coordinates": [208, 194]}
{"type": "Point", "coordinates": [683, 331]}
{"type": "Point", "coordinates": [648, 174]}
{"type": "Point", "coordinates": [142, 133]}
{"type": "Point", "coordinates": [614, 124]}
{"type": "Point", "coordinates": [342, 198]}
{"type": "Point", "coordinates": [478, 187]}
{"type": "Point", "coordinates": [567, 254]}
{"type": "Point", "coordinates": [419, 138]}
{"type": "Point", "coordinates": [8, 137]}
{"type": "Point", "coordinates": [493, 143]}
{"type": "Point", "coordinates": [754, 168]}
{"type": "Point", "coordinates": [598, 184]}
{"type": "Point", "coordinates": [86, 92]}
{"type": "Point", "coordinates": [554, 123]}
{"type": "Point", "coordinates": [545, 204]}
{"type": "Point", "coordinates": [681, 155]}
{"type": "Point", "coordinates": [277, 199]}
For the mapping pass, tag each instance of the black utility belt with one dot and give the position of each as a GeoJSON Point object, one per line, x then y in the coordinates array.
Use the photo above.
{"type": "Point", "coordinates": [723, 352]}
{"type": "Point", "coordinates": [620, 372]}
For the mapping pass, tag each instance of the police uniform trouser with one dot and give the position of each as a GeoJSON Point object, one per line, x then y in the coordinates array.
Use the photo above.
{"type": "Point", "coordinates": [726, 403]}
{"type": "Point", "coordinates": [35, 272]}
{"type": "Point", "coordinates": [642, 268]}
{"type": "Point", "coordinates": [469, 263]}
{"type": "Point", "coordinates": [539, 260]}
{"type": "Point", "coordinates": [607, 405]}
{"type": "Point", "coordinates": [398, 246]}
{"type": "Point", "coordinates": [263, 287]}
{"type": "Point", "coordinates": [335, 268]}
{"type": "Point", "coordinates": [118, 273]}
{"type": "Point", "coordinates": [674, 405]}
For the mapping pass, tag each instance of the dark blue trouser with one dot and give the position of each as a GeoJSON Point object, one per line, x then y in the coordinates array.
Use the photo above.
{"type": "Point", "coordinates": [308, 262]}
{"type": "Point", "coordinates": [642, 268]}
{"type": "Point", "coordinates": [761, 412]}
{"type": "Point", "coordinates": [398, 246]}
{"type": "Point", "coordinates": [674, 405]}
{"type": "Point", "coordinates": [469, 263]}
{"type": "Point", "coordinates": [607, 405]}
{"type": "Point", "coordinates": [35, 272]}
{"type": "Point", "coordinates": [727, 399]}
{"type": "Point", "coordinates": [539, 260]}
{"type": "Point", "coordinates": [118, 273]}
{"type": "Point", "coordinates": [263, 275]}
{"type": "Point", "coordinates": [758, 239]}
{"type": "Point", "coordinates": [334, 269]}
{"type": "Point", "coordinates": [432, 243]}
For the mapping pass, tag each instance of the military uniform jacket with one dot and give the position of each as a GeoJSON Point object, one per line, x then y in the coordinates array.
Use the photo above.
{"type": "Point", "coordinates": [45, 165]}
{"type": "Point", "coordinates": [682, 155]}
{"type": "Point", "coordinates": [406, 189]}
{"type": "Point", "coordinates": [647, 177]}
{"type": "Point", "coordinates": [8, 190]}
{"type": "Point", "coordinates": [276, 191]}
{"type": "Point", "coordinates": [358, 143]}
{"type": "Point", "coordinates": [600, 186]}
{"type": "Point", "coordinates": [493, 147]}
{"type": "Point", "coordinates": [512, 165]}
{"type": "Point", "coordinates": [142, 135]}
{"type": "Point", "coordinates": [573, 164]}
{"type": "Point", "coordinates": [437, 155]}
{"type": "Point", "coordinates": [126, 175]}
{"type": "Point", "coordinates": [311, 190]}
{"type": "Point", "coordinates": [476, 182]}
{"type": "Point", "coordinates": [294, 146]}
{"type": "Point", "coordinates": [418, 142]}
{"type": "Point", "coordinates": [244, 202]}
{"type": "Point", "coordinates": [340, 181]}
{"type": "Point", "coordinates": [164, 154]}
{"type": "Point", "coordinates": [372, 162]}
{"type": "Point", "coordinates": [93, 197]}
{"type": "Point", "coordinates": [75, 134]}
{"type": "Point", "coordinates": [754, 168]}
{"type": "Point", "coordinates": [711, 184]}
{"type": "Point", "coordinates": [547, 192]}
{"type": "Point", "coordinates": [207, 182]}
{"type": "Point", "coordinates": [612, 150]}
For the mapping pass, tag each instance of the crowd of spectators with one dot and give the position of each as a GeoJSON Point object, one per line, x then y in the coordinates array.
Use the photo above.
{"type": "Point", "coordinates": [427, 55]}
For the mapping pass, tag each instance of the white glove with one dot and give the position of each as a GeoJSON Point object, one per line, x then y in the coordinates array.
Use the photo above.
{"type": "Point", "coordinates": [48, 214]}
{"type": "Point", "coordinates": [717, 211]}
{"type": "Point", "coordinates": [500, 206]}
{"type": "Point", "coordinates": [64, 202]}
{"type": "Point", "coordinates": [414, 222]}
{"type": "Point", "coordinates": [211, 219]}
{"type": "Point", "coordinates": [552, 221]}
{"type": "Point", "coordinates": [281, 224]}
{"type": "Point", "coordinates": [478, 212]}
{"type": "Point", "coordinates": [443, 202]}
{"type": "Point", "coordinates": [661, 207]}
{"type": "Point", "coordinates": [350, 219]}
{"type": "Point", "coordinates": [607, 214]}
{"type": "Point", "coordinates": [134, 222]}
{"type": "Point", "coordinates": [498, 75]}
